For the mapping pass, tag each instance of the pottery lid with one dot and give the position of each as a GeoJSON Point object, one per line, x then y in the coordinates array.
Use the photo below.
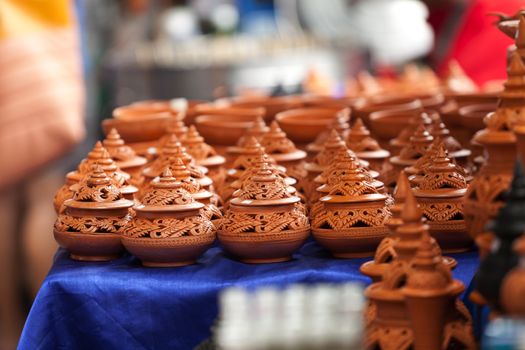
{"type": "Point", "coordinates": [441, 178]}
{"type": "Point", "coordinates": [514, 87]}
{"type": "Point", "coordinates": [257, 130]}
{"type": "Point", "coordinates": [257, 162]}
{"type": "Point", "coordinates": [265, 188]}
{"type": "Point", "coordinates": [280, 147]}
{"type": "Point", "coordinates": [330, 148]}
{"type": "Point", "coordinates": [123, 155]}
{"type": "Point", "coordinates": [167, 194]}
{"type": "Point", "coordinates": [97, 191]}
{"type": "Point", "coordinates": [203, 153]}
{"type": "Point", "coordinates": [418, 144]}
{"type": "Point", "coordinates": [360, 141]}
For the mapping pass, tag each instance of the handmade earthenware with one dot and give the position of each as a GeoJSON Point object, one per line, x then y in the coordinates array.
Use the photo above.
{"type": "Point", "coordinates": [363, 108]}
{"type": "Point", "coordinates": [264, 222]}
{"type": "Point", "coordinates": [402, 138]}
{"type": "Point", "coordinates": [303, 125]}
{"type": "Point", "coordinates": [90, 226]}
{"type": "Point", "coordinates": [169, 228]}
{"type": "Point", "coordinates": [271, 104]}
{"type": "Point", "coordinates": [349, 220]}
{"type": "Point", "coordinates": [440, 193]}
{"type": "Point", "coordinates": [415, 284]}
{"type": "Point", "coordinates": [340, 124]}
{"type": "Point", "coordinates": [205, 155]}
{"type": "Point", "coordinates": [124, 156]}
{"type": "Point", "coordinates": [280, 148]}
{"type": "Point", "coordinates": [509, 226]}
{"type": "Point", "coordinates": [366, 147]}
{"type": "Point", "coordinates": [98, 155]}
{"type": "Point", "coordinates": [223, 130]}
{"type": "Point", "coordinates": [455, 151]}
{"type": "Point", "coordinates": [220, 109]}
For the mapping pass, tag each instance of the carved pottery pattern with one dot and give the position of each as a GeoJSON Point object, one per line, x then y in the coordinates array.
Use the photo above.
{"type": "Point", "coordinates": [340, 219]}
{"type": "Point", "coordinates": [169, 227]}
{"type": "Point", "coordinates": [442, 211]}
{"type": "Point", "coordinates": [161, 196]}
{"type": "Point", "coordinates": [91, 224]}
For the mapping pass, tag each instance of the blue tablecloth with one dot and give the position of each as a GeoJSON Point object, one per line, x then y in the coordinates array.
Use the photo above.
{"type": "Point", "coordinates": [121, 305]}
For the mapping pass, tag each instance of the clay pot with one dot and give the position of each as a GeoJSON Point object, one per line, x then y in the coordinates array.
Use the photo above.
{"type": "Point", "coordinates": [124, 156]}
{"type": "Point", "coordinates": [223, 129]}
{"type": "Point", "coordinates": [271, 104]}
{"type": "Point", "coordinates": [319, 101]}
{"type": "Point", "coordinates": [440, 192]}
{"type": "Point", "coordinates": [205, 155]}
{"type": "Point", "coordinates": [349, 221]}
{"type": "Point", "coordinates": [91, 224]}
{"type": "Point", "coordinates": [366, 147]}
{"type": "Point", "coordinates": [196, 108]}
{"type": "Point", "coordinates": [390, 123]}
{"type": "Point", "coordinates": [280, 148]}
{"type": "Point", "coordinates": [363, 108]}
{"type": "Point", "coordinates": [264, 222]}
{"type": "Point", "coordinates": [402, 139]}
{"type": "Point", "coordinates": [98, 155]}
{"type": "Point", "coordinates": [169, 228]}
{"type": "Point", "coordinates": [303, 125]}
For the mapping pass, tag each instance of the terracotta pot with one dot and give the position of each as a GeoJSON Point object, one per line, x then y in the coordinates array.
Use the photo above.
{"type": "Point", "coordinates": [223, 129]}
{"type": "Point", "coordinates": [265, 221]}
{"type": "Point", "coordinates": [272, 105]}
{"type": "Point", "coordinates": [90, 247]}
{"type": "Point", "coordinates": [337, 103]}
{"type": "Point", "coordinates": [363, 108]}
{"type": "Point", "coordinates": [90, 226]}
{"type": "Point", "coordinates": [170, 227]}
{"type": "Point", "coordinates": [303, 125]}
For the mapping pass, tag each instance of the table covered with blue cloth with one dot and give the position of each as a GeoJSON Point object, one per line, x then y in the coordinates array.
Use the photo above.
{"type": "Point", "coordinates": [122, 305]}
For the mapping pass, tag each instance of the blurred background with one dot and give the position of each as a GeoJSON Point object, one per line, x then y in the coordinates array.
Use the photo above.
{"type": "Point", "coordinates": [65, 65]}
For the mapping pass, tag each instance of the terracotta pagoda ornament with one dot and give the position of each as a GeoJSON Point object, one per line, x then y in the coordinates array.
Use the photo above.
{"type": "Point", "coordinates": [366, 147]}
{"type": "Point", "coordinates": [386, 253]}
{"type": "Point", "coordinates": [205, 155]}
{"type": "Point", "coordinates": [124, 156]}
{"type": "Point", "coordinates": [322, 160]}
{"type": "Point", "coordinates": [509, 226]}
{"type": "Point", "coordinates": [440, 192]}
{"type": "Point", "coordinates": [391, 320]}
{"type": "Point", "coordinates": [98, 155]}
{"type": "Point", "coordinates": [283, 151]}
{"type": "Point", "coordinates": [264, 222]}
{"type": "Point", "coordinates": [350, 220]}
{"type": "Point", "coordinates": [257, 131]}
{"type": "Point", "coordinates": [403, 139]}
{"type": "Point", "coordinates": [438, 130]}
{"type": "Point", "coordinates": [483, 199]}
{"type": "Point", "coordinates": [418, 145]}
{"type": "Point", "coordinates": [169, 228]}
{"type": "Point", "coordinates": [92, 221]}
{"type": "Point", "coordinates": [339, 124]}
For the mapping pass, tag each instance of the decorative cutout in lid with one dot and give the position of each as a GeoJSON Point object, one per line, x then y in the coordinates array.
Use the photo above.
{"type": "Point", "coordinates": [332, 145]}
{"type": "Point", "coordinates": [418, 144]}
{"type": "Point", "coordinates": [441, 174]}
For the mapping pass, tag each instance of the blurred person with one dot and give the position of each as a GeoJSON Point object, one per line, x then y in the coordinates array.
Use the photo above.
{"type": "Point", "coordinates": [41, 118]}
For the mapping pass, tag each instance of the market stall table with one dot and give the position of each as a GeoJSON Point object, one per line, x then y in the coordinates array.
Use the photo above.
{"type": "Point", "coordinates": [122, 305]}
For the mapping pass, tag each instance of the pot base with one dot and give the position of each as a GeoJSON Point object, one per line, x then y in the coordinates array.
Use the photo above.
{"type": "Point", "coordinates": [90, 247]}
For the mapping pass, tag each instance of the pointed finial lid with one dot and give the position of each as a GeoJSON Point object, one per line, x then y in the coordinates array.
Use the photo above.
{"type": "Point", "coordinates": [411, 211]}
{"type": "Point", "coordinates": [193, 136]}
{"type": "Point", "coordinates": [441, 174]}
{"type": "Point", "coordinates": [113, 139]}
{"type": "Point", "coordinates": [96, 152]}
{"type": "Point", "coordinates": [402, 188]}
{"type": "Point", "coordinates": [359, 129]}
{"type": "Point", "coordinates": [98, 176]}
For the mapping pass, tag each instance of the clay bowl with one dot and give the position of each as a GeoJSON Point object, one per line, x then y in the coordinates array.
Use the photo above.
{"type": "Point", "coordinates": [271, 104]}
{"type": "Point", "coordinates": [303, 125]}
{"type": "Point", "coordinates": [388, 124]}
{"type": "Point", "coordinates": [222, 109]}
{"type": "Point", "coordinates": [139, 128]}
{"type": "Point", "coordinates": [472, 116]}
{"type": "Point", "coordinates": [329, 102]}
{"type": "Point", "coordinates": [90, 247]}
{"type": "Point", "coordinates": [223, 129]}
{"type": "Point", "coordinates": [358, 242]}
{"type": "Point", "coordinates": [364, 107]}
{"type": "Point", "coordinates": [260, 248]}
{"type": "Point", "coordinates": [168, 252]}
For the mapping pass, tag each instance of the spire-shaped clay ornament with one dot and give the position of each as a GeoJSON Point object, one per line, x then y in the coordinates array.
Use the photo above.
{"type": "Point", "coordinates": [98, 155]}
{"type": "Point", "coordinates": [350, 220]}
{"type": "Point", "coordinates": [440, 191]}
{"type": "Point", "coordinates": [257, 131]}
{"type": "Point", "coordinates": [124, 156]}
{"type": "Point", "coordinates": [92, 221]}
{"type": "Point", "coordinates": [339, 124]}
{"type": "Point", "coordinates": [366, 147]}
{"type": "Point", "coordinates": [170, 228]}
{"type": "Point", "coordinates": [483, 199]}
{"type": "Point", "coordinates": [391, 324]}
{"type": "Point", "coordinates": [264, 221]}
{"type": "Point", "coordinates": [205, 155]}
